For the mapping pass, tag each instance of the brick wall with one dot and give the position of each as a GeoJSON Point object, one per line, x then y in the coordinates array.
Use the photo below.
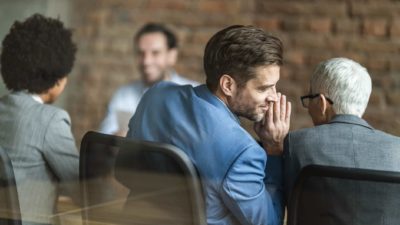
{"type": "Point", "coordinates": [364, 30]}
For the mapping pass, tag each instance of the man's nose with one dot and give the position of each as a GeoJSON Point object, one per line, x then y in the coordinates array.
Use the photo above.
{"type": "Point", "coordinates": [147, 59]}
{"type": "Point", "coordinates": [273, 96]}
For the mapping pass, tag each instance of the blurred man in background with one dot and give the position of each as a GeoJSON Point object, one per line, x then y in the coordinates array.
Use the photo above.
{"type": "Point", "coordinates": [156, 51]}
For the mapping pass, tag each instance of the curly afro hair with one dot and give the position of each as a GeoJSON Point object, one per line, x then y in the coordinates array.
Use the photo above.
{"type": "Point", "coordinates": [36, 54]}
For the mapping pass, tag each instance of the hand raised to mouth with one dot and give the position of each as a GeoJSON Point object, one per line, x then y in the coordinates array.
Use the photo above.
{"type": "Point", "coordinates": [273, 129]}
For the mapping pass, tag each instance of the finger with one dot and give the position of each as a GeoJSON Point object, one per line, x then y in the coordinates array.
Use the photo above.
{"type": "Point", "coordinates": [270, 115]}
{"type": "Point", "coordinates": [277, 108]}
{"type": "Point", "coordinates": [288, 113]}
{"type": "Point", "coordinates": [283, 108]}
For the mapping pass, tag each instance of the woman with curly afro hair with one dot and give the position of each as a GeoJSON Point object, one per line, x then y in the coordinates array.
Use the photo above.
{"type": "Point", "coordinates": [37, 56]}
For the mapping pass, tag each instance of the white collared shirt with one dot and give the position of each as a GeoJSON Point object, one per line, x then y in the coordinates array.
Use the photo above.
{"type": "Point", "coordinates": [37, 98]}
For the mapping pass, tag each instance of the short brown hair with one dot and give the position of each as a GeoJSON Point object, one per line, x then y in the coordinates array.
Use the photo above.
{"type": "Point", "coordinates": [150, 28]}
{"type": "Point", "coordinates": [238, 50]}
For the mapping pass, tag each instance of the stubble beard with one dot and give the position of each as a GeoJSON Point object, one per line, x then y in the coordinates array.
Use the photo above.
{"type": "Point", "coordinates": [248, 113]}
{"type": "Point", "coordinates": [159, 77]}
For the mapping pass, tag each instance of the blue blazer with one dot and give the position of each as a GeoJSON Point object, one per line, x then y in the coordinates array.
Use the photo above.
{"type": "Point", "coordinates": [230, 162]}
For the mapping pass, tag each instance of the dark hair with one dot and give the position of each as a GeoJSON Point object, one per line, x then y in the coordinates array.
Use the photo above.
{"type": "Point", "coordinates": [237, 51]}
{"type": "Point", "coordinates": [36, 54]}
{"type": "Point", "coordinates": [158, 28]}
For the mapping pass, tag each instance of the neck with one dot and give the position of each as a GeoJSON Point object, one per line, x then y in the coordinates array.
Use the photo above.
{"type": "Point", "coordinates": [45, 97]}
{"type": "Point", "coordinates": [330, 114]}
{"type": "Point", "coordinates": [165, 77]}
{"type": "Point", "coordinates": [220, 95]}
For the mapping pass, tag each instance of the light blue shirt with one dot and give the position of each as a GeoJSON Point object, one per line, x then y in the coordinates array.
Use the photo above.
{"type": "Point", "coordinates": [232, 165]}
{"type": "Point", "coordinates": [124, 102]}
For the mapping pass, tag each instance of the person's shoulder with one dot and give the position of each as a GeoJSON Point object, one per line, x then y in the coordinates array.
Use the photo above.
{"type": "Point", "coordinates": [306, 132]}
{"type": "Point", "coordinates": [169, 87]}
{"type": "Point", "coordinates": [184, 81]}
{"type": "Point", "coordinates": [19, 98]}
{"type": "Point", "coordinates": [26, 103]}
{"type": "Point", "coordinates": [386, 137]}
{"type": "Point", "coordinates": [51, 111]}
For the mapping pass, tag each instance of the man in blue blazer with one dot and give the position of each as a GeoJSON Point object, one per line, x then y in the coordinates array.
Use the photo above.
{"type": "Point", "coordinates": [338, 96]}
{"type": "Point", "coordinates": [242, 65]}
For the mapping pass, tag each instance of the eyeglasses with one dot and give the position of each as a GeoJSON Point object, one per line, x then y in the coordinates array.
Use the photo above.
{"type": "Point", "coordinates": [305, 100]}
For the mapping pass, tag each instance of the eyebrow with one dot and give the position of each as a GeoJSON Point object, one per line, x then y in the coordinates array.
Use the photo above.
{"type": "Point", "coordinates": [266, 86]}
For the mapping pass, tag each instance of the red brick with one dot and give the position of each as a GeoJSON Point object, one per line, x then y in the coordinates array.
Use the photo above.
{"type": "Point", "coordinates": [295, 57]}
{"type": "Point", "coordinates": [269, 24]}
{"type": "Point", "coordinates": [99, 46]}
{"type": "Point", "coordinates": [382, 80]}
{"type": "Point", "coordinates": [320, 25]}
{"type": "Point", "coordinates": [247, 7]}
{"type": "Point", "coordinates": [314, 59]}
{"type": "Point", "coordinates": [377, 99]}
{"type": "Point", "coordinates": [347, 26]}
{"type": "Point", "coordinates": [132, 4]}
{"type": "Point", "coordinates": [308, 41]}
{"type": "Point", "coordinates": [395, 29]}
{"type": "Point", "coordinates": [201, 36]}
{"type": "Point", "coordinates": [376, 27]}
{"type": "Point", "coordinates": [358, 57]}
{"type": "Point", "coordinates": [393, 98]}
{"type": "Point", "coordinates": [192, 50]}
{"type": "Point", "coordinates": [294, 24]}
{"type": "Point", "coordinates": [373, 46]}
{"type": "Point", "coordinates": [378, 63]}
{"type": "Point", "coordinates": [221, 6]}
{"type": "Point", "coordinates": [99, 17]}
{"type": "Point", "coordinates": [170, 4]}
{"type": "Point", "coordinates": [335, 43]}
{"type": "Point", "coordinates": [294, 8]}
{"type": "Point", "coordinates": [385, 120]}
{"type": "Point", "coordinates": [394, 63]}
{"type": "Point", "coordinates": [375, 9]}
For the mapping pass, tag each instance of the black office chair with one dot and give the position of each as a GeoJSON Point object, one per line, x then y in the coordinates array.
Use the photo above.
{"type": "Point", "coordinates": [9, 203]}
{"type": "Point", "coordinates": [338, 195]}
{"type": "Point", "coordinates": [127, 181]}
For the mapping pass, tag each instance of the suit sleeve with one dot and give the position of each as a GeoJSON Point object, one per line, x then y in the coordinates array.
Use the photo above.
{"type": "Point", "coordinates": [244, 191]}
{"type": "Point", "coordinates": [291, 168]}
{"type": "Point", "coordinates": [274, 183]}
{"type": "Point", "coordinates": [61, 154]}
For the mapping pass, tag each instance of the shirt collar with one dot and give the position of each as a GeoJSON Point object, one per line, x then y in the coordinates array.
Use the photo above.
{"type": "Point", "coordinates": [350, 119]}
{"type": "Point", "coordinates": [37, 98]}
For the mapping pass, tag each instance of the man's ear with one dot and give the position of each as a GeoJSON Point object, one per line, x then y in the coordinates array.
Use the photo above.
{"type": "Point", "coordinates": [172, 56]}
{"type": "Point", "coordinates": [323, 104]}
{"type": "Point", "coordinates": [227, 85]}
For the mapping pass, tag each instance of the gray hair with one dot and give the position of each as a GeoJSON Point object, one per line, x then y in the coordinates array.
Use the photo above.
{"type": "Point", "coordinates": [345, 82]}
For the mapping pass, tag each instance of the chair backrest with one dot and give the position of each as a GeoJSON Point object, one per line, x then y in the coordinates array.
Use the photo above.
{"type": "Point", "coordinates": [127, 181]}
{"type": "Point", "coordinates": [9, 203]}
{"type": "Point", "coordinates": [339, 195]}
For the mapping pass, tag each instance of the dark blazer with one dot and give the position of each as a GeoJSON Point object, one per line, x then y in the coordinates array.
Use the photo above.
{"type": "Point", "coordinates": [39, 142]}
{"type": "Point", "coordinates": [347, 141]}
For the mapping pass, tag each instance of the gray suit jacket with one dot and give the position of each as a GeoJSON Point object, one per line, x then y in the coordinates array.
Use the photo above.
{"type": "Point", "coordinates": [39, 142]}
{"type": "Point", "coordinates": [347, 141]}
